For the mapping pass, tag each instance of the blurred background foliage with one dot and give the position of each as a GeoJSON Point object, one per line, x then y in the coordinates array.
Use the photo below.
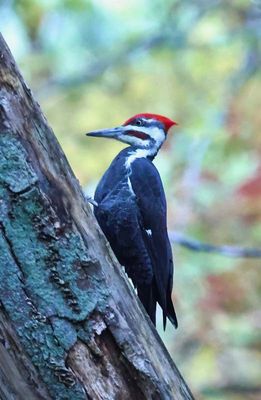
{"type": "Point", "coordinates": [93, 64]}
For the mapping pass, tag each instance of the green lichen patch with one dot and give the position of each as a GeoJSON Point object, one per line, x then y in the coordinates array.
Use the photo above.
{"type": "Point", "coordinates": [15, 171]}
{"type": "Point", "coordinates": [48, 262]}
{"type": "Point", "coordinates": [65, 331]}
{"type": "Point", "coordinates": [36, 336]}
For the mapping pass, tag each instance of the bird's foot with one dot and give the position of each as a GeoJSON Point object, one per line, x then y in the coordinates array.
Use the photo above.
{"type": "Point", "coordinates": [91, 200]}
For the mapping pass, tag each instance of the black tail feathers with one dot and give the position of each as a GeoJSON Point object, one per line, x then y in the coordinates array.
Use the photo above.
{"type": "Point", "coordinates": [148, 296]}
{"type": "Point", "coordinates": [171, 314]}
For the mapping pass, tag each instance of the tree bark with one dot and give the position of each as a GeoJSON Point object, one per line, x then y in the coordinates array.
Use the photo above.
{"type": "Point", "coordinates": [71, 327]}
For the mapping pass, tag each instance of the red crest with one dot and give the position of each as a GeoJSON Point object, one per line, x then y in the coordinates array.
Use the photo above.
{"type": "Point", "coordinates": [167, 122]}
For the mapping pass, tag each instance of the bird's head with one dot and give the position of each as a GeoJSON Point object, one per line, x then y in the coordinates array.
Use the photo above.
{"type": "Point", "coordinates": [143, 131]}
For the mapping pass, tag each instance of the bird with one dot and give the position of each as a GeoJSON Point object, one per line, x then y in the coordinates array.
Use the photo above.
{"type": "Point", "coordinates": [130, 207]}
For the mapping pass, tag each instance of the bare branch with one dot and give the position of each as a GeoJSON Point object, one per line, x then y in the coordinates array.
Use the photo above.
{"type": "Point", "coordinates": [238, 388]}
{"type": "Point", "coordinates": [224, 250]}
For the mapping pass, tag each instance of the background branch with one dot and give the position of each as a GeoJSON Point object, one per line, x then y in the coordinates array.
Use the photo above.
{"type": "Point", "coordinates": [224, 250]}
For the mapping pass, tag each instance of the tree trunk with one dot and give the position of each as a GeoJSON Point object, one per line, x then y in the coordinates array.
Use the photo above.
{"type": "Point", "coordinates": [71, 327]}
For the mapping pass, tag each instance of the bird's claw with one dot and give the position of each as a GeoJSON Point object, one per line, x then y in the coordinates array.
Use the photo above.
{"type": "Point", "coordinates": [91, 201]}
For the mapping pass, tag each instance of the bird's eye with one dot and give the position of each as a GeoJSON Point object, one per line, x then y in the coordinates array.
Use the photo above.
{"type": "Point", "coordinates": [139, 122]}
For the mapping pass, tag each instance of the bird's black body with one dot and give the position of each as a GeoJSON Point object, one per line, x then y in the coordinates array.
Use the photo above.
{"type": "Point", "coordinates": [132, 214]}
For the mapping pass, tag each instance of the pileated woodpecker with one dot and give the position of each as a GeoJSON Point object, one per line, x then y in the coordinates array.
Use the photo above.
{"type": "Point", "coordinates": [131, 211]}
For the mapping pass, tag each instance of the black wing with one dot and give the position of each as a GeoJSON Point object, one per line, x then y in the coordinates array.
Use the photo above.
{"type": "Point", "coordinates": [149, 192]}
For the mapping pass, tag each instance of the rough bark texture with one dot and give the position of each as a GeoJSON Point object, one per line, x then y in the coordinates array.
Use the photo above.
{"type": "Point", "coordinates": [70, 325]}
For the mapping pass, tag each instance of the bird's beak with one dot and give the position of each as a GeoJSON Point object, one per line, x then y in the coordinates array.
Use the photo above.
{"type": "Point", "coordinates": [113, 133]}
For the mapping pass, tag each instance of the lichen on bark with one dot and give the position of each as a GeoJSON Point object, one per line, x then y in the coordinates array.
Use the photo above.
{"type": "Point", "coordinates": [48, 285]}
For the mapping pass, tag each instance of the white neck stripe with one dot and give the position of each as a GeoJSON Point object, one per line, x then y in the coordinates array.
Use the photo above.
{"type": "Point", "coordinates": [139, 153]}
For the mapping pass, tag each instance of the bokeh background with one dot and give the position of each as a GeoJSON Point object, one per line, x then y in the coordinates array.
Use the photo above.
{"type": "Point", "coordinates": [93, 64]}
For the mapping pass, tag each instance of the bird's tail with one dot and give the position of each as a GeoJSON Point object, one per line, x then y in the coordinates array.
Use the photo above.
{"type": "Point", "coordinates": [147, 296]}
{"type": "Point", "coordinates": [170, 313]}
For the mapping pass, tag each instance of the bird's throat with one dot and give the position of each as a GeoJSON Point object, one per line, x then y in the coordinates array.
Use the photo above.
{"type": "Point", "coordinates": [149, 152]}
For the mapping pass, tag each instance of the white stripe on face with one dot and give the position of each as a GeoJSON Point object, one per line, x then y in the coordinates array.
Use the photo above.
{"type": "Point", "coordinates": [144, 148]}
{"type": "Point", "coordinates": [154, 132]}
